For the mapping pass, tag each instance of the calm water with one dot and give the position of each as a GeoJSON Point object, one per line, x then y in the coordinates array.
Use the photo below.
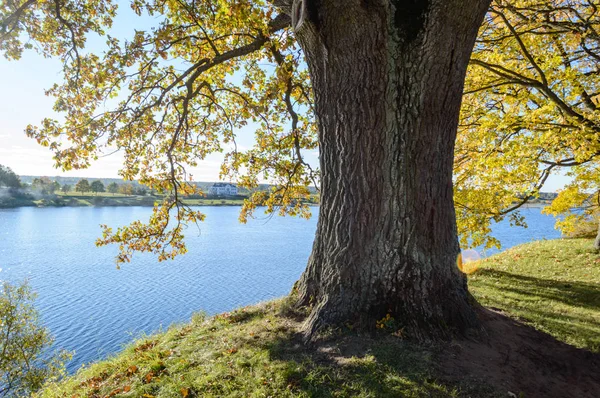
{"type": "Point", "coordinates": [93, 309]}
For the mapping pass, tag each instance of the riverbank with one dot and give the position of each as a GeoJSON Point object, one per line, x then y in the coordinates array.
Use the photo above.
{"type": "Point", "coordinates": [256, 350]}
{"type": "Point", "coordinates": [107, 200]}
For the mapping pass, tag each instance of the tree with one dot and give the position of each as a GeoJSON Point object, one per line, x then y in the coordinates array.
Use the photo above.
{"type": "Point", "coordinates": [53, 187]}
{"type": "Point", "coordinates": [8, 178]}
{"type": "Point", "coordinates": [82, 186]}
{"type": "Point", "coordinates": [97, 186]}
{"type": "Point", "coordinates": [25, 362]}
{"type": "Point", "coordinates": [66, 188]}
{"type": "Point", "coordinates": [531, 108]}
{"type": "Point", "coordinates": [126, 189]}
{"type": "Point", "coordinates": [386, 79]}
{"type": "Point", "coordinates": [387, 227]}
{"type": "Point", "coordinates": [113, 188]}
{"type": "Point", "coordinates": [44, 185]}
{"type": "Point", "coordinates": [579, 202]}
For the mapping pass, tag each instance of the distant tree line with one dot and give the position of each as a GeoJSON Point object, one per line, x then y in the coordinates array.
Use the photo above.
{"type": "Point", "coordinates": [97, 186]}
{"type": "Point", "coordinates": [46, 187]}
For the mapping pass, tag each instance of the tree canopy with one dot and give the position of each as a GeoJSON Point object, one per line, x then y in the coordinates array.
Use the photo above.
{"type": "Point", "coordinates": [44, 185]}
{"type": "Point", "coordinates": [25, 360]}
{"type": "Point", "coordinates": [97, 186]}
{"type": "Point", "coordinates": [530, 108]}
{"type": "Point", "coordinates": [8, 178]}
{"type": "Point", "coordinates": [83, 186]}
{"type": "Point", "coordinates": [113, 187]}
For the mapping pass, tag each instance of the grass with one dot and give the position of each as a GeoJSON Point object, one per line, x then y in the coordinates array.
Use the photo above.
{"type": "Point", "coordinates": [255, 351]}
{"type": "Point", "coordinates": [77, 199]}
{"type": "Point", "coordinates": [214, 202]}
{"type": "Point", "coordinates": [554, 285]}
{"type": "Point", "coordinates": [91, 194]}
{"type": "Point", "coordinates": [117, 197]}
{"type": "Point", "coordinates": [101, 199]}
{"type": "Point", "coordinates": [108, 199]}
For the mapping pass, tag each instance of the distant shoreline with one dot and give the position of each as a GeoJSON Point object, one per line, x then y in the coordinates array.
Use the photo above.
{"type": "Point", "coordinates": [109, 200]}
{"type": "Point", "coordinates": [535, 205]}
{"type": "Point", "coordinates": [92, 200]}
{"type": "Point", "coordinates": [120, 200]}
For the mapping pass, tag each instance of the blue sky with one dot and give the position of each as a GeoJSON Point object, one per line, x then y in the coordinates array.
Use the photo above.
{"type": "Point", "coordinates": [22, 102]}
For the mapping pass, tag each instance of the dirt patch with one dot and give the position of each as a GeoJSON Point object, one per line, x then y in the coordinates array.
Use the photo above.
{"type": "Point", "coordinates": [510, 359]}
{"type": "Point", "coordinates": [519, 359]}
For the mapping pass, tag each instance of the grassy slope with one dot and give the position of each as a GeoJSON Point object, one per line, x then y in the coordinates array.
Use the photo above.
{"type": "Point", "coordinates": [254, 352]}
{"type": "Point", "coordinates": [554, 285]}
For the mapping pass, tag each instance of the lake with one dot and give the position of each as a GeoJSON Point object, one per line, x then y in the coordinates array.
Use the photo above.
{"type": "Point", "coordinates": [94, 309]}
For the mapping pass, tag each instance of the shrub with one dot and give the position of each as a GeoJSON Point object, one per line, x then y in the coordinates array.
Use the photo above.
{"type": "Point", "coordinates": [26, 361]}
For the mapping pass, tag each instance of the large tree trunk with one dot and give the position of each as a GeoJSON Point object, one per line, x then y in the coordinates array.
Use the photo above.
{"type": "Point", "coordinates": [388, 79]}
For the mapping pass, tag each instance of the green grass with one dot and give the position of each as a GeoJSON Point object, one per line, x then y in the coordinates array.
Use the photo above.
{"type": "Point", "coordinates": [102, 199]}
{"type": "Point", "coordinates": [256, 352]}
{"type": "Point", "coordinates": [553, 285]}
{"type": "Point", "coordinates": [109, 199]}
{"type": "Point", "coordinates": [91, 194]}
{"type": "Point", "coordinates": [214, 202]}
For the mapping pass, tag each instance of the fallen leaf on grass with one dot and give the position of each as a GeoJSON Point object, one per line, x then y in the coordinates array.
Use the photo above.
{"type": "Point", "coordinates": [148, 378]}
{"type": "Point", "coordinates": [114, 392]}
{"type": "Point", "coordinates": [145, 346]}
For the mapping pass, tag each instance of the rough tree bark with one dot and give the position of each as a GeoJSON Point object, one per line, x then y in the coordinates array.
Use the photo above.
{"type": "Point", "coordinates": [388, 78]}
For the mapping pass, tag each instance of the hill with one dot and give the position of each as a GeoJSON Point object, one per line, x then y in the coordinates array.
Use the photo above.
{"type": "Point", "coordinates": [257, 351]}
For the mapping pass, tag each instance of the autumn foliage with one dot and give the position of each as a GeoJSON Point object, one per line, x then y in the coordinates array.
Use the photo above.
{"type": "Point", "coordinates": [531, 108]}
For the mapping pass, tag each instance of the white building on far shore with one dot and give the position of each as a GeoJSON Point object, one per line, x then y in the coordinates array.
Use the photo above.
{"type": "Point", "coordinates": [223, 189]}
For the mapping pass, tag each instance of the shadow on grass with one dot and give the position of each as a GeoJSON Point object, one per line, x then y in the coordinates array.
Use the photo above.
{"type": "Point", "coordinates": [348, 365]}
{"type": "Point", "coordinates": [577, 294]}
{"type": "Point", "coordinates": [546, 303]}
